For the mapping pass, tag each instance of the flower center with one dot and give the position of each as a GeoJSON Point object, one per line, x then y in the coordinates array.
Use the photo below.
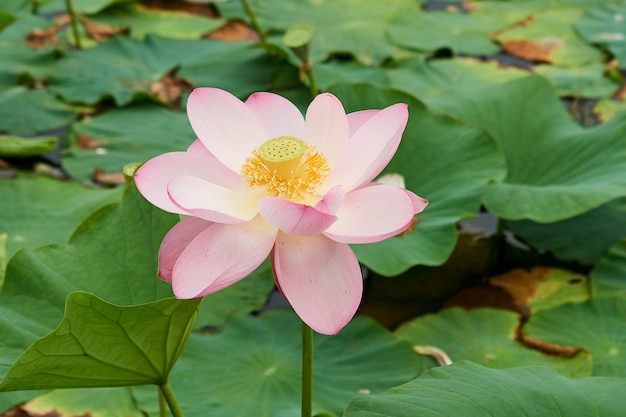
{"type": "Point", "coordinates": [286, 167]}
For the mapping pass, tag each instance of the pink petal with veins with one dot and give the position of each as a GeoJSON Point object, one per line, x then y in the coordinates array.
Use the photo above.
{"type": "Point", "coordinates": [320, 278]}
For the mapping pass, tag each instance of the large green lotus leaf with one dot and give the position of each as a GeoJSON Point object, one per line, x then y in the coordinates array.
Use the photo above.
{"type": "Point", "coordinates": [587, 81]}
{"type": "Point", "coordinates": [240, 68]}
{"type": "Point", "coordinates": [556, 169]}
{"type": "Point", "coordinates": [40, 211]}
{"type": "Point", "coordinates": [17, 31]}
{"type": "Point", "coordinates": [80, 6]}
{"type": "Point", "coordinates": [335, 72]}
{"type": "Point", "coordinates": [253, 368]}
{"type": "Point", "coordinates": [487, 337]}
{"type": "Point", "coordinates": [550, 35]}
{"type": "Point", "coordinates": [121, 68]}
{"type": "Point", "coordinates": [112, 254]}
{"type": "Point", "coordinates": [124, 68]}
{"type": "Point", "coordinates": [585, 238]}
{"type": "Point", "coordinates": [440, 80]}
{"type": "Point", "coordinates": [16, 7]}
{"type": "Point", "coordinates": [104, 345]}
{"type": "Point", "coordinates": [143, 21]}
{"type": "Point", "coordinates": [470, 390]}
{"type": "Point", "coordinates": [605, 26]}
{"type": "Point", "coordinates": [93, 402]}
{"type": "Point", "coordinates": [341, 26]}
{"type": "Point", "coordinates": [26, 111]}
{"type": "Point", "coordinates": [460, 32]}
{"type": "Point", "coordinates": [442, 160]}
{"type": "Point", "coordinates": [608, 277]}
{"type": "Point", "coordinates": [598, 326]}
{"type": "Point", "coordinates": [132, 134]}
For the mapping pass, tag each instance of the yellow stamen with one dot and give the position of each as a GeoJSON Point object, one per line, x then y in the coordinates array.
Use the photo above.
{"type": "Point", "coordinates": [286, 167]}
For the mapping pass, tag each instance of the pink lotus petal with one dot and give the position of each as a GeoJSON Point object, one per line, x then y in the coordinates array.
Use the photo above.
{"type": "Point", "coordinates": [197, 147]}
{"type": "Point", "coordinates": [327, 127]}
{"type": "Point", "coordinates": [278, 116]}
{"type": "Point", "coordinates": [371, 148]}
{"type": "Point", "coordinates": [294, 218]}
{"type": "Point", "coordinates": [153, 176]}
{"type": "Point", "coordinates": [320, 278]}
{"type": "Point", "coordinates": [225, 125]}
{"type": "Point", "coordinates": [175, 241]}
{"type": "Point", "coordinates": [331, 201]}
{"type": "Point", "coordinates": [358, 119]}
{"type": "Point", "coordinates": [419, 203]}
{"type": "Point", "coordinates": [213, 202]}
{"type": "Point", "coordinates": [220, 256]}
{"type": "Point", "coordinates": [371, 214]}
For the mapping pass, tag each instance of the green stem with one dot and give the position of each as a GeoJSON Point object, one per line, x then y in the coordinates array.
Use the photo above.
{"type": "Point", "coordinates": [73, 22]}
{"type": "Point", "coordinates": [307, 371]}
{"type": "Point", "coordinates": [253, 21]}
{"type": "Point", "coordinates": [162, 404]}
{"type": "Point", "coordinates": [170, 398]}
{"type": "Point", "coordinates": [35, 7]}
{"type": "Point", "coordinates": [308, 67]}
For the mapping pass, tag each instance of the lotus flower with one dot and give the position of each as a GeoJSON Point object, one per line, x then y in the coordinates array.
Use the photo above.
{"type": "Point", "coordinates": [262, 180]}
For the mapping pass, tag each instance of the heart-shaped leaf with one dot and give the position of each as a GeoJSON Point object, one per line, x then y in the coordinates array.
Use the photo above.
{"type": "Point", "coordinates": [103, 345]}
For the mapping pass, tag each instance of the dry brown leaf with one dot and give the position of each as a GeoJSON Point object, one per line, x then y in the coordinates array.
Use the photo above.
{"type": "Point", "coordinates": [482, 296]}
{"type": "Point", "coordinates": [620, 94]}
{"type": "Point", "coordinates": [233, 30]}
{"type": "Point", "coordinates": [100, 32]}
{"type": "Point", "coordinates": [549, 348]}
{"type": "Point", "coordinates": [181, 6]}
{"type": "Point", "coordinates": [169, 88]}
{"type": "Point", "coordinates": [535, 51]}
{"type": "Point", "coordinates": [41, 38]}
{"type": "Point", "coordinates": [108, 178]}
{"type": "Point", "coordinates": [87, 142]}
{"type": "Point", "coordinates": [521, 284]}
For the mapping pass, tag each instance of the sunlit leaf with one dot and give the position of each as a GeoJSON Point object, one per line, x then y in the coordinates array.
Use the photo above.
{"type": "Point", "coordinates": [469, 390]}
{"type": "Point", "coordinates": [586, 81]}
{"type": "Point", "coordinates": [606, 109]}
{"type": "Point", "coordinates": [95, 402]}
{"type": "Point", "coordinates": [597, 325]}
{"type": "Point", "coordinates": [487, 337]}
{"type": "Point", "coordinates": [550, 37]}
